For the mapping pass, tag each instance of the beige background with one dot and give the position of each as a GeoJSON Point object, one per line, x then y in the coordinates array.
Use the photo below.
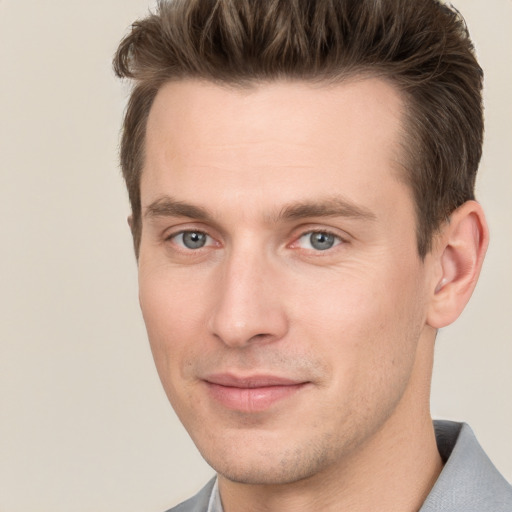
{"type": "Point", "coordinates": [84, 424]}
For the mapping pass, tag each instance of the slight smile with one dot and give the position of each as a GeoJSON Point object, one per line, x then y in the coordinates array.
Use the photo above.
{"type": "Point", "coordinates": [252, 393]}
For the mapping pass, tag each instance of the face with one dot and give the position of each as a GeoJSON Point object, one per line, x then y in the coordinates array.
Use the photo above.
{"type": "Point", "coordinates": [280, 283]}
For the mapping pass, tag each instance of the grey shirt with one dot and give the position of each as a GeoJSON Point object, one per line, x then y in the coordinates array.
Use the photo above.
{"type": "Point", "coordinates": [469, 482]}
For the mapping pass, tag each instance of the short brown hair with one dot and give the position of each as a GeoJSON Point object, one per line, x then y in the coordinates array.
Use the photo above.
{"type": "Point", "coordinates": [421, 46]}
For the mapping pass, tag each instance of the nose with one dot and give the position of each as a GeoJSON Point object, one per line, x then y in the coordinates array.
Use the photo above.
{"type": "Point", "coordinates": [248, 308]}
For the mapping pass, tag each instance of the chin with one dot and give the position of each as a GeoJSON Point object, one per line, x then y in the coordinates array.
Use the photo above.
{"type": "Point", "coordinates": [267, 463]}
{"type": "Point", "coordinates": [262, 474]}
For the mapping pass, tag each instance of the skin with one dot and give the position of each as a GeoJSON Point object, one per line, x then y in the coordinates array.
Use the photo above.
{"type": "Point", "coordinates": [255, 172]}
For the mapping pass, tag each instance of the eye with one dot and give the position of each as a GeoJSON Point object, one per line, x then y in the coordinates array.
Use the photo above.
{"type": "Point", "coordinates": [191, 239]}
{"type": "Point", "coordinates": [318, 240]}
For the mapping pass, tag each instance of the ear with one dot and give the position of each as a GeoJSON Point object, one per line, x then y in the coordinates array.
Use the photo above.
{"type": "Point", "coordinates": [459, 253]}
{"type": "Point", "coordinates": [130, 222]}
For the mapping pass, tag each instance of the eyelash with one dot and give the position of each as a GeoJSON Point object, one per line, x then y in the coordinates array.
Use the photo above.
{"type": "Point", "coordinates": [338, 239]}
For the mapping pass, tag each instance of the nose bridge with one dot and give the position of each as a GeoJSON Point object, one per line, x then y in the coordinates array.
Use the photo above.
{"type": "Point", "coordinates": [247, 307]}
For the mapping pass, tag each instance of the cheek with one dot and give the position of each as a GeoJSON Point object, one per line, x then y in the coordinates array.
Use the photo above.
{"type": "Point", "coordinates": [367, 322]}
{"type": "Point", "coordinates": [172, 301]}
{"type": "Point", "coordinates": [171, 314]}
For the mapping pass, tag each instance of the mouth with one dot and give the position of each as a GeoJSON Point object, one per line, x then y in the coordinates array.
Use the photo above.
{"type": "Point", "coordinates": [255, 393]}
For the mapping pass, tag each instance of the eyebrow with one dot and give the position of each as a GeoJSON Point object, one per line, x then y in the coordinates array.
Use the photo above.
{"type": "Point", "coordinates": [330, 207]}
{"type": "Point", "coordinates": [168, 207]}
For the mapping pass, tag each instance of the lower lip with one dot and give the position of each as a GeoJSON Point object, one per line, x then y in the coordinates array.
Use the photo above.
{"type": "Point", "coordinates": [251, 399]}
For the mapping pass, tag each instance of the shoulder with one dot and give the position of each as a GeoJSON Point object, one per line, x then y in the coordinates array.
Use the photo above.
{"type": "Point", "coordinates": [199, 502]}
{"type": "Point", "coordinates": [469, 481]}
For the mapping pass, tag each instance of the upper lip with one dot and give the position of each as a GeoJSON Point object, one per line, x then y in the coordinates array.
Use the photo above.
{"type": "Point", "coordinates": [251, 381]}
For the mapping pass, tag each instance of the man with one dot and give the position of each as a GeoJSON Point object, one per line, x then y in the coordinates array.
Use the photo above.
{"type": "Point", "coordinates": [301, 179]}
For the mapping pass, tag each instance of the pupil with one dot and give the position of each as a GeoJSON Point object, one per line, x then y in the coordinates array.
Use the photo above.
{"type": "Point", "coordinates": [322, 241]}
{"type": "Point", "coordinates": [194, 240]}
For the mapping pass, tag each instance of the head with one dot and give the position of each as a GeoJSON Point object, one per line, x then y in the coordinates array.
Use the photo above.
{"type": "Point", "coordinates": [300, 176]}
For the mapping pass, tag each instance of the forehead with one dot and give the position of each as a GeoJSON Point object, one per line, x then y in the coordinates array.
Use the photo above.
{"type": "Point", "coordinates": [223, 113]}
{"type": "Point", "coordinates": [278, 141]}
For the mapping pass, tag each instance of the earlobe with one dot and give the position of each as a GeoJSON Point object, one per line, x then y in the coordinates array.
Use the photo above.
{"type": "Point", "coordinates": [459, 255]}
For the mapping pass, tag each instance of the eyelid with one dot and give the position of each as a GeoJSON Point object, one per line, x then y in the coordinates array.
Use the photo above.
{"type": "Point", "coordinates": [187, 226]}
{"type": "Point", "coordinates": [173, 234]}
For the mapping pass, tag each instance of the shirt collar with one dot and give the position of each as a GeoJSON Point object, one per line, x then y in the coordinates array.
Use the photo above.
{"type": "Point", "coordinates": [215, 505]}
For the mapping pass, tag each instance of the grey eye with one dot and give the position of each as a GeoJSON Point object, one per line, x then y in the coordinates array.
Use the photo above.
{"type": "Point", "coordinates": [321, 241]}
{"type": "Point", "coordinates": [318, 240]}
{"type": "Point", "coordinates": [193, 239]}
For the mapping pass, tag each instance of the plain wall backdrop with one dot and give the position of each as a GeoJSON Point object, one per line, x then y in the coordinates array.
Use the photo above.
{"type": "Point", "coordinates": [84, 423]}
